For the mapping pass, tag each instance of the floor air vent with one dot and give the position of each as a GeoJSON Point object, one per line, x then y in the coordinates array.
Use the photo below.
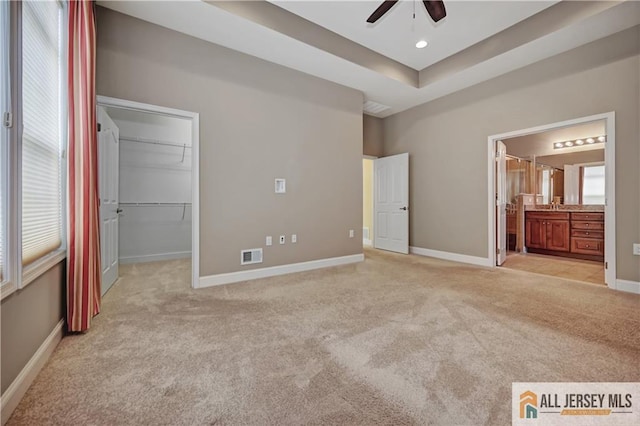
{"type": "Point", "coordinates": [247, 257]}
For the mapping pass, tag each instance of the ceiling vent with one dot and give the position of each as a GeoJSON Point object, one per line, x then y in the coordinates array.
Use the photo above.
{"type": "Point", "coordinates": [371, 107]}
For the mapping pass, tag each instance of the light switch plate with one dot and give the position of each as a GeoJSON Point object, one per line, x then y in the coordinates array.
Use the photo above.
{"type": "Point", "coordinates": [294, 238]}
{"type": "Point", "coordinates": [281, 186]}
{"type": "Point", "coordinates": [282, 239]}
{"type": "Point", "coordinates": [269, 241]}
{"type": "Point", "coordinates": [351, 233]}
{"type": "Point", "coordinates": [636, 249]}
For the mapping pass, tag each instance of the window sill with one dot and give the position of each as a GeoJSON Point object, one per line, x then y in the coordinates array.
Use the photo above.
{"type": "Point", "coordinates": [33, 271]}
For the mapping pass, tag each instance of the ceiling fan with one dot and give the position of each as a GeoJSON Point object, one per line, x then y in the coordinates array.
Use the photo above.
{"type": "Point", "coordinates": [435, 9]}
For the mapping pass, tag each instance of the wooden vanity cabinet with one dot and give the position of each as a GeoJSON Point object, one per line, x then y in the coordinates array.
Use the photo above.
{"type": "Point", "coordinates": [587, 234]}
{"type": "Point", "coordinates": [547, 231]}
{"type": "Point", "coordinates": [573, 234]}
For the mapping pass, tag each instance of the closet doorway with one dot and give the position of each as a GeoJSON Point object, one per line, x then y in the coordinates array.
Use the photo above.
{"type": "Point", "coordinates": [148, 184]}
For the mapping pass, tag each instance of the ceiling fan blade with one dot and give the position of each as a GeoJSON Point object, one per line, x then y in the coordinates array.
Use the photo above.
{"type": "Point", "coordinates": [436, 9]}
{"type": "Point", "coordinates": [381, 10]}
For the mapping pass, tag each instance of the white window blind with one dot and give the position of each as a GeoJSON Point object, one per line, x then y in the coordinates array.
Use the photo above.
{"type": "Point", "coordinates": [42, 129]}
{"type": "Point", "coordinates": [593, 185]}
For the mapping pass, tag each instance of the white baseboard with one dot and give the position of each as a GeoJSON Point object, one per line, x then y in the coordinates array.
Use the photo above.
{"type": "Point", "coordinates": [232, 277]}
{"type": "Point", "coordinates": [628, 286]}
{"type": "Point", "coordinates": [19, 386]}
{"type": "Point", "coordinates": [367, 242]}
{"type": "Point", "coordinates": [463, 258]}
{"type": "Point", "coordinates": [154, 257]}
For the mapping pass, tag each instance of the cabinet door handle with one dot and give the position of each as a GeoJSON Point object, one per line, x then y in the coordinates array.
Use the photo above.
{"type": "Point", "coordinates": [586, 224]}
{"type": "Point", "coordinates": [586, 233]}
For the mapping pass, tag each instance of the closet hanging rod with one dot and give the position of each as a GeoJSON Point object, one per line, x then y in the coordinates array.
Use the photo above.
{"type": "Point", "coordinates": [154, 141]}
{"type": "Point", "coordinates": [154, 204]}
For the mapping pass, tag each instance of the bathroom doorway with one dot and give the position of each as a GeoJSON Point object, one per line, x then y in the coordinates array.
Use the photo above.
{"type": "Point", "coordinates": [559, 199]}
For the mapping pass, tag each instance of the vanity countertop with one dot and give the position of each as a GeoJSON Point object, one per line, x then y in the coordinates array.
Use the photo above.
{"type": "Point", "coordinates": [567, 210]}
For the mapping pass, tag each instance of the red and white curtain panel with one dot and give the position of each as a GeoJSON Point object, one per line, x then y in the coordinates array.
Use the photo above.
{"type": "Point", "coordinates": [83, 255]}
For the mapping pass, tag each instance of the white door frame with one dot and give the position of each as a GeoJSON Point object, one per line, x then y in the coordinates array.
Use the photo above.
{"type": "Point", "coordinates": [195, 166]}
{"type": "Point", "coordinates": [610, 185]}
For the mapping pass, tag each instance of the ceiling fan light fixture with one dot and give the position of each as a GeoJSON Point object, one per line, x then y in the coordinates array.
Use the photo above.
{"type": "Point", "coordinates": [421, 44]}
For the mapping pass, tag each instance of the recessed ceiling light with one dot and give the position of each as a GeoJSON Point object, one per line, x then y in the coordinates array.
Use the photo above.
{"type": "Point", "coordinates": [590, 140]}
{"type": "Point", "coordinates": [579, 142]}
{"type": "Point", "coordinates": [421, 44]}
{"type": "Point", "coordinates": [601, 138]}
{"type": "Point", "coordinates": [568, 143]}
{"type": "Point", "coordinates": [558, 144]}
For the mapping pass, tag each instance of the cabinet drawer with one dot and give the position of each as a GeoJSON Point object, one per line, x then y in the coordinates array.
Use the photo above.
{"type": "Point", "coordinates": [549, 216]}
{"type": "Point", "coordinates": [587, 225]}
{"type": "Point", "coordinates": [587, 246]}
{"type": "Point", "coordinates": [590, 216]}
{"type": "Point", "coordinates": [587, 233]}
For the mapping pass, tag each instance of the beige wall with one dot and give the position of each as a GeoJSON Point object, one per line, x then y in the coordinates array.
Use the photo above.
{"type": "Point", "coordinates": [367, 195]}
{"type": "Point", "coordinates": [28, 316]}
{"type": "Point", "coordinates": [372, 136]}
{"type": "Point", "coordinates": [258, 122]}
{"type": "Point", "coordinates": [447, 141]}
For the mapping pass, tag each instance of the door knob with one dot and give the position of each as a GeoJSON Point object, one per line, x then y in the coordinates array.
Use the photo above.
{"type": "Point", "coordinates": [403, 208]}
{"type": "Point", "coordinates": [118, 210]}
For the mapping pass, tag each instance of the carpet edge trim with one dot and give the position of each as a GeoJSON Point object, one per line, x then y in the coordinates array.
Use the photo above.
{"type": "Point", "coordinates": [233, 277]}
{"type": "Point", "coordinates": [16, 390]}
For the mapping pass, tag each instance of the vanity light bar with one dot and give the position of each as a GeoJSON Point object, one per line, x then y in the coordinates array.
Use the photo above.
{"type": "Point", "coordinates": [579, 142]}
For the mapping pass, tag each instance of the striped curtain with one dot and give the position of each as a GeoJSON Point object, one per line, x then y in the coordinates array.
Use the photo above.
{"type": "Point", "coordinates": [83, 256]}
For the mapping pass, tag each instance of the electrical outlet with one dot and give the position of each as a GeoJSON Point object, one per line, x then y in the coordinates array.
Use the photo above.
{"type": "Point", "coordinates": [636, 249]}
{"type": "Point", "coordinates": [269, 240]}
{"type": "Point", "coordinates": [282, 239]}
{"type": "Point", "coordinates": [351, 233]}
{"type": "Point", "coordinates": [294, 238]}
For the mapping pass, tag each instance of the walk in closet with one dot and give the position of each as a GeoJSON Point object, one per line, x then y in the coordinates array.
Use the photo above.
{"type": "Point", "coordinates": [154, 186]}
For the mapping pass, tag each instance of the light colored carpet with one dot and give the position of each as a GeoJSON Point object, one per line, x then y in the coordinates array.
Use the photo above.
{"type": "Point", "coordinates": [393, 340]}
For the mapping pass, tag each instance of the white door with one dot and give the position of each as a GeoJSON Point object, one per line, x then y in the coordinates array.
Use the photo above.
{"type": "Point", "coordinates": [391, 203]}
{"type": "Point", "coordinates": [501, 203]}
{"type": "Point", "coordinates": [108, 159]}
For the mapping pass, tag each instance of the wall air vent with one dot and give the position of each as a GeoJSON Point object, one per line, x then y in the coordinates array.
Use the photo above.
{"type": "Point", "coordinates": [371, 107]}
{"type": "Point", "coordinates": [248, 257]}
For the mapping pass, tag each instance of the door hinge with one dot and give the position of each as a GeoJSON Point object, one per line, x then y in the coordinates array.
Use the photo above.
{"type": "Point", "coordinates": [99, 127]}
{"type": "Point", "coordinates": [7, 119]}
{"type": "Point", "coordinates": [498, 251]}
{"type": "Point", "coordinates": [606, 265]}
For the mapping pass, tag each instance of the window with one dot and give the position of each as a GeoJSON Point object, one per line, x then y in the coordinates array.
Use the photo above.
{"type": "Point", "coordinates": [593, 185]}
{"type": "Point", "coordinates": [43, 130]}
{"type": "Point", "coordinates": [32, 171]}
{"type": "Point", "coordinates": [5, 107]}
